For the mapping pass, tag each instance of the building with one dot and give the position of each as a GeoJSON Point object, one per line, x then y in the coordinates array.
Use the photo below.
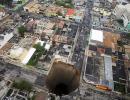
{"type": "Point", "coordinates": [30, 25]}
{"type": "Point", "coordinates": [123, 12]}
{"type": "Point", "coordinates": [78, 2]}
{"type": "Point", "coordinates": [79, 15]}
{"type": "Point", "coordinates": [61, 24]}
{"type": "Point", "coordinates": [2, 13]}
{"type": "Point", "coordinates": [28, 56]}
{"type": "Point", "coordinates": [40, 25]}
{"type": "Point", "coordinates": [76, 15]}
{"type": "Point", "coordinates": [32, 7]}
{"type": "Point", "coordinates": [4, 38]}
{"type": "Point", "coordinates": [104, 62]}
{"type": "Point", "coordinates": [41, 96]}
{"type": "Point", "coordinates": [52, 11]}
{"type": "Point", "coordinates": [96, 37]}
{"type": "Point", "coordinates": [108, 71]}
{"type": "Point", "coordinates": [48, 32]}
{"type": "Point", "coordinates": [59, 39]}
{"type": "Point", "coordinates": [4, 87]}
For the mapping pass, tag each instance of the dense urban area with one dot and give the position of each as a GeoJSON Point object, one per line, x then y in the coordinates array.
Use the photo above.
{"type": "Point", "coordinates": [64, 49]}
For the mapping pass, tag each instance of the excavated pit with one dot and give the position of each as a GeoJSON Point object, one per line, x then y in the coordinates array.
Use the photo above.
{"type": "Point", "coordinates": [63, 78]}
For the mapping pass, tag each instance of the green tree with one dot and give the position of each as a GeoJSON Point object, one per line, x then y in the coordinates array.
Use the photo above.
{"type": "Point", "coordinates": [38, 47]}
{"type": "Point", "coordinates": [38, 53]}
{"type": "Point", "coordinates": [68, 1]}
{"type": "Point", "coordinates": [6, 2]}
{"type": "Point", "coordinates": [22, 85]}
{"type": "Point", "coordinates": [128, 35]}
{"type": "Point", "coordinates": [65, 3]}
{"type": "Point", "coordinates": [59, 13]}
{"type": "Point", "coordinates": [22, 30]}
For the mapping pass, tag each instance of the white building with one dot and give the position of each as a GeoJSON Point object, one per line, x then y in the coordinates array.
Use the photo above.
{"type": "Point", "coordinates": [4, 38]}
{"type": "Point", "coordinates": [123, 12]}
{"type": "Point", "coordinates": [96, 37]}
{"type": "Point", "coordinates": [28, 56]}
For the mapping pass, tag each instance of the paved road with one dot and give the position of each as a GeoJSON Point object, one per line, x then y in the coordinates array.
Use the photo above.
{"type": "Point", "coordinates": [87, 23]}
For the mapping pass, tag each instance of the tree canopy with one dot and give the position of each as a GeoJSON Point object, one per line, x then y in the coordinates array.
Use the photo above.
{"type": "Point", "coordinates": [128, 35]}
{"type": "Point", "coordinates": [6, 2]}
{"type": "Point", "coordinates": [22, 85]}
{"type": "Point", "coordinates": [65, 3]}
{"type": "Point", "coordinates": [22, 30]}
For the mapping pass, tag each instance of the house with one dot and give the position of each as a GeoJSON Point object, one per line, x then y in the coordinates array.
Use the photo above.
{"type": "Point", "coordinates": [52, 11]}
{"type": "Point", "coordinates": [41, 96]}
{"type": "Point", "coordinates": [32, 7]}
{"type": "Point", "coordinates": [79, 15]}
{"type": "Point", "coordinates": [3, 88]}
{"type": "Point", "coordinates": [123, 12]}
{"type": "Point", "coordinates": [48, 32]}
{"type": "Point", "coordinates": [59, 39]}
{"type": "Point", "coordinates": [76, 15]}
{"type": "Point", "coordinates": [70, 13]}
{"type": "Point", "coordinates": [30, 24]}
{"type": "Point", "coordinates": [40, 25]}
{"type": "Point", "coordinates": [61, 24]}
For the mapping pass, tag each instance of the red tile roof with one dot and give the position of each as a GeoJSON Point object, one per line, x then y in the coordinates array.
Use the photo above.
{"type": "Point", "coordinates": [70, 11]}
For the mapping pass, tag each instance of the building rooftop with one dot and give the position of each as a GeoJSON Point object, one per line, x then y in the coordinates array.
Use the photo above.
{"type": "Point", "coordinates": [70, 12]}
{"type": "Point", "coordinates": [61, 24]}
{"type": "Point", "coordinates": [60, 39]}
{"type": "Point", "coordinates": [29, 55]}
{"type": "Point", "coordinates": [96, 35]}
{"type": "Point", "coordinates": [41, 96]}
{"type": "Point", "coordinates": [4, 38]}
{"type": "Point", "coordinates": [108, 70]}
{"type": "Point", "coordinates": [123, 10]}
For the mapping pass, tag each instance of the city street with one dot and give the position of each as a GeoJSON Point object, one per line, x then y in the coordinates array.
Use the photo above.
{"type": "Point", "coordinates": [87, 24]}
